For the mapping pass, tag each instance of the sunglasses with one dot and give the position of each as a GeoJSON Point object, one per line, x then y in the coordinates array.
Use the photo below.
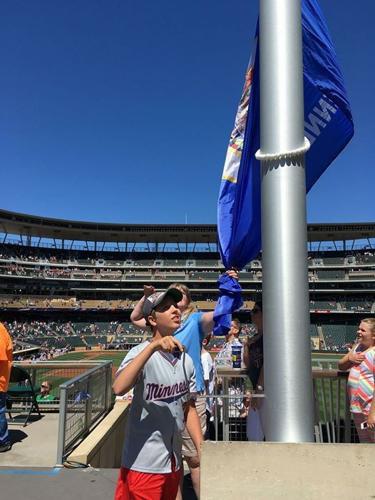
{"type": "Point", "coordinates": [44, 386]}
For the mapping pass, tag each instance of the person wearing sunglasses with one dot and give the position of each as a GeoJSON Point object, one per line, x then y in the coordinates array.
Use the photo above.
{"type": "Point", "coordinates": [45, 392]}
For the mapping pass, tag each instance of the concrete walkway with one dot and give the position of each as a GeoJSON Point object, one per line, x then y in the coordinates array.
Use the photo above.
{"type": "Point", "coordinates": [39, 483]}
{"type": "Point", "coordinates": [34, 445]}
{"type": "Point", "coordinates": [46, 484]}
{"type": "Point", "coordinates": [28, 469]}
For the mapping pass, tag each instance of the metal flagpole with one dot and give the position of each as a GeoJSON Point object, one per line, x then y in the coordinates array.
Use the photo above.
{"type": "Point", "coordinates": [287, 353]}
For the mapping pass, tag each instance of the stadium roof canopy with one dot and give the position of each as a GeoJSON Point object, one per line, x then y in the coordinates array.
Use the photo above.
{"type": "Point", "coordinates": [60, 229]}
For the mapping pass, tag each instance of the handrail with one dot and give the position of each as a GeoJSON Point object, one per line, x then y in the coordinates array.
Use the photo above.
{"type": "Point", "coordinates": [83, 400]}
{"type": "Point", "coordinates": [84, 376]}
{"type": "Point", "coordinates": [331, 414]}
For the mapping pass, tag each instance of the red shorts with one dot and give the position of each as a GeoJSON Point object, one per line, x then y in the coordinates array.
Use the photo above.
{"type": "Point", "coordinates": [133, 485]}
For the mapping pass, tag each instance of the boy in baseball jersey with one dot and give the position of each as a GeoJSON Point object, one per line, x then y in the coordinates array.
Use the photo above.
{"type": "Point", "coordinates": [163, 378]}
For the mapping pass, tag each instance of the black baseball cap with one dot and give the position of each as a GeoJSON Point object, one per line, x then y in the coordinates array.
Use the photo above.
{"type": "Point", "coordinates": [157, 298]}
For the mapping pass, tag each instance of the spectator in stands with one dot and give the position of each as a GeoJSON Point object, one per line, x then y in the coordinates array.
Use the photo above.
{"type": "Point", "coordinates": [6, 356]}
{"type": "Point", "coordinates": [208, 375]}
{"type": "Point", "coordinates": [361, 362]}
{"type": "Point", "coordinates": [163, 378]}
{"type": "Point", "coordinates": [45, 392]}
{"type": "Point", "coordinates": [245, 407]}
{"type": "Point", "coordinates": [253, 359]}
{"type": "Point", "coordinates": [194, 328]}
{"type": "Point", "coordinates": [225, 353]}
{"type": "Point", "coordinates": [253, 350]}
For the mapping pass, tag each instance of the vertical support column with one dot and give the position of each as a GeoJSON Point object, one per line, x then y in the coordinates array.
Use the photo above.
{"type": "Point", "coordinates": [287, 352]}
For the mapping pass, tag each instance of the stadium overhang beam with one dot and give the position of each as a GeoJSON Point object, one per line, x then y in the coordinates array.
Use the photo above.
{"type": "Point", "coordinates": [32, 226]}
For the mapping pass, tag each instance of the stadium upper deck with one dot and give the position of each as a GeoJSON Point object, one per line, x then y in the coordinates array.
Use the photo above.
{"type": "Point", "coordinates": [53, 257]}
{"type": "Point", "coordinates": [59, 233]}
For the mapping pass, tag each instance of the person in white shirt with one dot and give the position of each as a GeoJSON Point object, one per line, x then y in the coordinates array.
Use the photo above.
{"type": "Point", "coordinates": [224, 358]}
{"type": "Point", "coordinates": [208, 375]}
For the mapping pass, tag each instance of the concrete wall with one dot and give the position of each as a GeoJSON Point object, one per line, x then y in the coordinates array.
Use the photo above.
{"type": "Point", "coordinates": [103, 446]}
{"type": "Point", "coordinates": [241, 471]}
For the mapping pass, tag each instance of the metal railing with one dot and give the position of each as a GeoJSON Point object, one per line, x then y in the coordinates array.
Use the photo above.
{"type": "Point", "coordinates": [83, 401]}
{"type": "Point", "coordinates": [229, 391]}
{"type": "Point", "coordinates": [332, 412]}
{"type": "Point", "coordinates": [82, 393]}
{"type": "Point", "coordinates": [332, 419]}
{"type": "Point", "coordinates": [56, 372]}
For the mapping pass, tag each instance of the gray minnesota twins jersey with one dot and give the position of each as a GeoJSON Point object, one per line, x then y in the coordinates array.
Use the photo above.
{"type": "Point", "coordinates": [156, 417]}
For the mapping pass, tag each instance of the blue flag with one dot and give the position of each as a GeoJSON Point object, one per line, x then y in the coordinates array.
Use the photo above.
{"type": "Point", "coordinates": [229, 300]}
{"type": "Point", "coordinates": [328, 126]}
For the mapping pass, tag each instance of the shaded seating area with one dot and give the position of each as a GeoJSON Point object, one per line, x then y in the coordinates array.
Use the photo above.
{"type": "Point", "coordinates": [21, 396]}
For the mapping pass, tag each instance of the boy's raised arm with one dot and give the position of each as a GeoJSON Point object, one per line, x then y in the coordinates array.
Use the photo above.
{"type": "Point", "coordinates": [136, 316]}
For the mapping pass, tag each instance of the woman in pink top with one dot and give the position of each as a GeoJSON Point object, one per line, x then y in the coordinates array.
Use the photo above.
{"type": "Point", "coordinates": [361, 362]}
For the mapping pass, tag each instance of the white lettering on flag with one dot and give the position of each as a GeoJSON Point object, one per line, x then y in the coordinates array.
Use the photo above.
{"type": "Point", "coordinates": [318, 119]}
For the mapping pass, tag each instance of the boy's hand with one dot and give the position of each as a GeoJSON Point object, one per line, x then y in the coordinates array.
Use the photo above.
{"type": "Point", "coordinates": [232, 273]}
{"type": "Point", "coordinates": [167, 344]}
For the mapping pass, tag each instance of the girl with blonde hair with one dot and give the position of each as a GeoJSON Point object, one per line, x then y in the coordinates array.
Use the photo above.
{"type": "Point", "coordinates": [361, 387]}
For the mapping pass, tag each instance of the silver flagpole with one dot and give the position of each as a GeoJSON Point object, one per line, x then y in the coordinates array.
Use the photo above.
{"type": "Point", "coordinates": [288, 411]}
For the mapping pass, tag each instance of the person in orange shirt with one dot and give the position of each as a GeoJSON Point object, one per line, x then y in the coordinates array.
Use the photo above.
{"type": "Point", "coordinates": [6, 356]}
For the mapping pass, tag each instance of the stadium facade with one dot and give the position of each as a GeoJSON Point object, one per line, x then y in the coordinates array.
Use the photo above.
{"type": "Point", "coordinates": [84, 273]}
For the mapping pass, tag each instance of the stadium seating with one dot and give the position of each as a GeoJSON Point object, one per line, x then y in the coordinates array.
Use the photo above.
{"type": "Point", "coordinates": [360, 305]}
{"type": "Point", "coordinates": [107, 284]}
{"type": "Point", "coordinates": [328, 274]}
{"type": "Point", "coordinates": [337, 336]}
{"type": "Point", "coordinates": [322, 304]}
{"type": "Point", "coordinates": [331, 261]}
{"type": "Point", "coordinates": [362, 275]}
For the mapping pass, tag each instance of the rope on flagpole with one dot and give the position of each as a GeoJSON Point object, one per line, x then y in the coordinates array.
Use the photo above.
{"type": "Point", "coordinates": [259, 155]}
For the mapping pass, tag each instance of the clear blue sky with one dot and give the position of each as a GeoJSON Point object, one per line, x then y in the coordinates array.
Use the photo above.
{"type": "Point", "coordinates": [121, 110]}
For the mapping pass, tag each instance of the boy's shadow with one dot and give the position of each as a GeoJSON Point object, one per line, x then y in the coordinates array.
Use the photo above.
{"type": "Point", "coordinates": [16, 435]}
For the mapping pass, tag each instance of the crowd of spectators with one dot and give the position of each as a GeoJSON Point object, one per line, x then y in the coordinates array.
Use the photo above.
{"type": "Point", "coordinates": [55, 338]}
{"type": "Point", "coordinates": [58, 337]}
{"type": "Point", "coordinates": [203, 302]}
{"type": "Point", "coordinates": [42, 302]}
{"type": "Point", "coordinates": [44, 354]}
{"type": "Point", "coordinates": [16, 255]}
{"type": "Point", "coordinates": [72, 272]}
